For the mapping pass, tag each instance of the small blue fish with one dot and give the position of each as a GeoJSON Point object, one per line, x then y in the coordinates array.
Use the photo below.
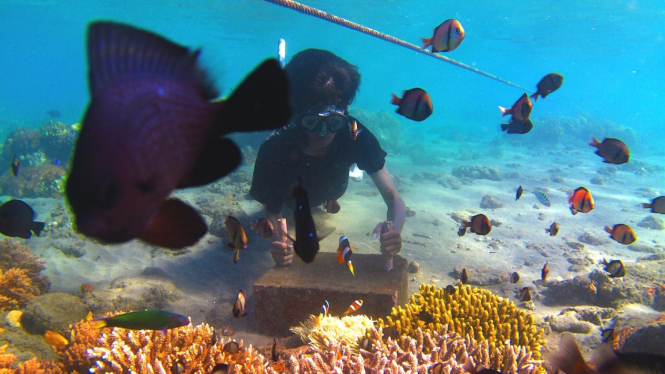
{"type": "Point", "coordinates": [56, 163]}
{"type": "Point", "coordinates": [543, 198]}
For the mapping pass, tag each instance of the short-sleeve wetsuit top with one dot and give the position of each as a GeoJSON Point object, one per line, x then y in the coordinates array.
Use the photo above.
{"type": "Point", "coordinates": [280, 160]}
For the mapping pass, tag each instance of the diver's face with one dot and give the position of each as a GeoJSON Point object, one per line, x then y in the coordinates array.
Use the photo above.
{"type": "Point", "coordinates": [317, 141]}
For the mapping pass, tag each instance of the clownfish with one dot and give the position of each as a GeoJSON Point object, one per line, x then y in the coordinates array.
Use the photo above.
{"type": "Point", "coordinates": [354, 306]}
{"type": "Point", "coordinates": [325, 307]}
{"type": "Point", "coordinates": [344, 252]}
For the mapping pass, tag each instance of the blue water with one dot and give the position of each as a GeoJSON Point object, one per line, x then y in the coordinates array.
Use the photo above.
{"type": "Point", "coordinates": [611, 53]}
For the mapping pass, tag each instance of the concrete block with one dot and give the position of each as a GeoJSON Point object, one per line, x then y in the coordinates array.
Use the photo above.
{"type": "Point", "coordinates": [284, 297]}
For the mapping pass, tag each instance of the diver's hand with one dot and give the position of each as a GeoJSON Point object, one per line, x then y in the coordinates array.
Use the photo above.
{"type": "Point", "coordinates": [282, 253]}
{"type": "Point", "coordinates": [391, 241]}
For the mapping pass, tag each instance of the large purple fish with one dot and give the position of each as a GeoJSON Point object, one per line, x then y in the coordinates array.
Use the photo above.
{"type": "Point", "coordinates": [151, 127]}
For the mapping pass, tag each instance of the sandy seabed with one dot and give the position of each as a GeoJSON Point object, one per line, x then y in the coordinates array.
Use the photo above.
{"type": "Point", "coordinates": [205, 277]}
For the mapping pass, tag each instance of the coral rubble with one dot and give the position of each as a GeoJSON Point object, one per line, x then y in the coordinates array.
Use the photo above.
{"type": "Point", "coordinates": [469, 310]}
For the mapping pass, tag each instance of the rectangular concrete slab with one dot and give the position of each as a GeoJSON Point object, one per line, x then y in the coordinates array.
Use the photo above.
{"type": "Point", "coordinates": [284, 297]}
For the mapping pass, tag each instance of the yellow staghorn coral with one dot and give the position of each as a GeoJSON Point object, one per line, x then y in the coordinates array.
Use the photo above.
{"type": "Point", "coordinates": [320, 330]}
{"type": "Point", "coordinates": [473, 311]}
{"type": "Point", "coordinates": [16, 289]}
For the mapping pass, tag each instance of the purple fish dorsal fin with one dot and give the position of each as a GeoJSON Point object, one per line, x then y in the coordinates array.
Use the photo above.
{"type": "Point", "coordinates": [117, 51]}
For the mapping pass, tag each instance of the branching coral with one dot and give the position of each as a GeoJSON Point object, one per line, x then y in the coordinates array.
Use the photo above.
{"type": "Point", "coordinates": [473, 311]}
{"type": "Point", "coordinates": [14, 254]}
{"type": "Point", "coordinates": [16, 289]}
{"type": "Point", "coordinates": [446, 348]}
{"type": "Point", "coordinates": [144, 351]}
{"type": "Point", "coordinates": [320, 330]}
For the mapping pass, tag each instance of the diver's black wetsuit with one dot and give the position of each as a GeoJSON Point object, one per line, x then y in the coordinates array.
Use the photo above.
{"type": "Point", "coordinates": [280, 161]}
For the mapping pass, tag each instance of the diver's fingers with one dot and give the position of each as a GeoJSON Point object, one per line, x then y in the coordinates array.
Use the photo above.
{"type": "Point", "coordinates": [377, 230]}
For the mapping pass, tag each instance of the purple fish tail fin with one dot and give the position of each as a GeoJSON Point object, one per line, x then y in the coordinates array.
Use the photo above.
{"type": "Point", "coordinates": [426, 42]}
{"type": "Point", "coordinates": [261, 102]}
{"type": "Point", "coordinates": [504, 127]}
{"type": "Point", "coordinates": [647, 205]}
{"type": "Point", "coordinates": [37, 227]}
{"type": "Point", "coordinates": [535, 96]}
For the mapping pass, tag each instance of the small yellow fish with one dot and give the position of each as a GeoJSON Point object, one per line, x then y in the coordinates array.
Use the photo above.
{"type": "Point", "coordinates": [88, 317]}
{"type": "Point", "coordinates": [55, 339]}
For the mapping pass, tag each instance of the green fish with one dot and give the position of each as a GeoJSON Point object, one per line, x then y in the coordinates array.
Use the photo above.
{"type": "Point", "coordinates": [145, 320]}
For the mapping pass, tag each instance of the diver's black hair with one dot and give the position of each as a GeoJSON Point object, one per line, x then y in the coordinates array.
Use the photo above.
{"type": "Point", "coordinates": [318, 78]}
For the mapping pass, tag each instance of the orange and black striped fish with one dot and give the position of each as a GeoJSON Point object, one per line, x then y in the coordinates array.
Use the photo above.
{"type": "Point", "coordinates": [354, 306]}
{"type": "Point", "coordinates": [325, 307]}
{"type": "Point", "coordinates": [520, 110]}
{"type": "Point", "coordinates": [263, 227]}
{"type": "Point", "coordinates": [415, 104]}
{"type": "Point", "coordinates": [657, 205]}
{"type": "Point", "coordinates": [479, 224]}
{"type": "Point", "coordinates": [613, 151]}
{"type": "Point", "coordinates": [447, 36]}
{"type": "Point", "coordinates": [15, 165]}
{"type": "Point", "coordinates": [580, 201]}
{"type": "Point", "coordinates": [550, 83]}
{"type": "Point", "coordinates": [332, 206]}
{"type": "Point", "coordinates": [622, 234]}
{"type": "Point", "coordinates": [553, 230]}
{"type": "Point", "coordinates": [344, 252]}
{"type": "Point", "coordinates": [545, 271]}
{"type": "Point", "coordinates": [354, 130]}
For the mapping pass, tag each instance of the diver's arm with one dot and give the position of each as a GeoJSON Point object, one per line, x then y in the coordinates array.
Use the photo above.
{"type": "Point", "coordinates": [391, 241]}
{"type": "Point", "coordinates": [281, 251]}
{"type": "Point", "coordinates": [396, 207]}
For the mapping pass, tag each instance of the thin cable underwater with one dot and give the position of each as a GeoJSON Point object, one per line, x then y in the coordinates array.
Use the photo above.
{"type": "Point", "coordinates": [354, 26]}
